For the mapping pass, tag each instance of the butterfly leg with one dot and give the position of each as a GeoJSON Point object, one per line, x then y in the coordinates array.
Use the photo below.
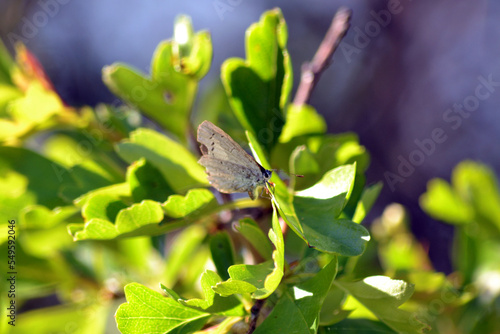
{"type": "Point", "coordinates": [251, 194]}
{"type": "Point", "coordinates": [262, 193]}
{"type": "Point", "coordinates": [268, 191]}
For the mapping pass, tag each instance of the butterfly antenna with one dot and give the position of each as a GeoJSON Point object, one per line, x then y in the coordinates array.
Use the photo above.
{"type": "Point", "coordinates": [279, 170]}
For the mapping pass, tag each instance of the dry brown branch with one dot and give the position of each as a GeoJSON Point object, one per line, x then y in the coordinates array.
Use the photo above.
{"type": "Point", "coordinates": [311, 71]}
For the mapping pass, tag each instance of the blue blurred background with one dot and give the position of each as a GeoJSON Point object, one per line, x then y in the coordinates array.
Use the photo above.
{"type": "Point", "coordinates": [405, 69]}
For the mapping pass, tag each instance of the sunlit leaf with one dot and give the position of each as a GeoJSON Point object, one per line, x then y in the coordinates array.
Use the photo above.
{"type": "Point", "coordinates": [44, 181]}
{"type": "Point", "coordinates": [147, 311]}
{"type": "Point", "coordinates": [177, 164]}
{"type": "Point", "coordinates": [143, 218]}
{"type": "Point", "coordinates": [366, 202]}
{"type": "Point", "coordinates": [258, 87]}
{"type": "Point", "coordinates": [441, 202]}
{"type": "Point", "coordinates": [262, 279]}
{"type": "Point", "coordinates": [302, 120]}
{"type": "Point", "coordinates": [213, 303]}
{"type": "Point", "coordinates": [57, 319]}
{"type": "Point", "coordinates": [253, 233]}
{"type": "Point", "coordinates": [313, 213]}
{"type": "Point", "coordinates": [297, 311]}
{"type": "Point", "coordinates": [383, 296]}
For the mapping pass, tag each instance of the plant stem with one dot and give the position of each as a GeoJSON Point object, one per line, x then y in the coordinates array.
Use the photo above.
{"type": "Point", "coordinates": [311, 71]}
{"type": "Point", "coordinates": [254, 315]}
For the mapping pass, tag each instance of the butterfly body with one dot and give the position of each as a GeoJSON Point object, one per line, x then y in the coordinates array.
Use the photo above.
{"type": "Point", "coordinates": [230, 169]}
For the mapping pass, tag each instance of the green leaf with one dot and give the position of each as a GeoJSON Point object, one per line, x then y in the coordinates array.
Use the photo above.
{"type": "Point", "coordinates": [257, 151]}
{"type": "Point", "coordinates": [443, 203]}
{"type": "Point", "coordinates": [38, 216]}
{"type": "Point", "coordinates": [285, 317]}
{"type": "Point", "coordinates": [231, 287]}
{"type": "Point", "coordinates": [316, 210]}
{"type": "Point", "coordinates": [146, 182]}
{"type": "Point", "coordinates": [428, 281]}
{"type": "Point", "coordinates": [133, 251]}
{"type": "Point", "coordinates": [193, 52]}
{"type": "Point", "coordinates": [474, 197]}
{"type": "Point", "coordinates": [477, 184]}
{"type": "Point", "coordinates": [322, 154]}
{"type": "Point", "coordinates": [8, 94]}
{"type": "Point", "coordinates": [281, 196]}
{"type": "Point", "coordinates": [217, 110]}
{"type": "Point", "coordinates": [249, 229]}
{"type": "Point", "coordinates": [86, 180]}
{"type": "Point", "coordinates": [179, 89]}
{"type": "Point", "coordinates": [262, 279]}
{"type": "Point", "coordinates": [318, 207]}
{"type": "Point", "coordinates": [351, 152]}
{"type": "Point", "coordinates": [170, 293]}
{"type": "Point", "coordinates": [186, 243]}
{"type": "Point", "coordinates": [143, 218]}
{"type": "Point", "coordinates": [355, 197]}
{"type": "Point", "coordinates": [183, 37]}
{"type": "Point", "coordinates": [45, 177]}
{"type": "Point", "coordinates": [120, 190]}
{"type": "Point", "coordinates": [37, 106]}
{"type": "Point", "coordinates": [138, 215]}
{"type": "Point", "coordinates": [7, 65]}
{"type": "Point", "coordinates": [94, 229]}
{"type": "Point", "coordinates": [43, 231]}
{"type": "Point", "coordinates": [259, 87]}
{"type": "Point", "coordinates": [147, 95]}
{"type": "Point", "coordinates": [336, 150]}
{"type": "Point", "coordinates": [337, 183]}
{"type": "Point", "coordinates": [191, 205]}
{"type": "Point", "coordinates": [273, 280]}
{"type": "Point", "coordinates": [383, 296]}
{"type": "Point", "coordinates": [303, 162]}
{"type": "Point", "coordinates": [102, 206]}
{"type": "Point", "coordinates": [213, 303]}
{"type": "Point", "coordinates": [176, 67]}
{"type": "Point", "coordinates": [310, 295]}
{"type": "Point", "coordinates": [302, 120]}
{"type": "Point", "coordinates": [177, 164]}
{"type": "Point", "coordinates": [358, 326]}
{"type": "Point", "coordinates": [366, 202]}
{"type": "Point", "coordinates": [297, 311]}
{"type": "Point", "coordinates": [129, 222]}
{"type": "Point", "coordinates": [199, 260]}
{"type": "Point", "coordinates": [58, 319]}
{"type": "Point", "coordinates": [83, 153]}
{"type": "Point", "coordinates": [222, 253]}
{"type": "Point", "coordinates": [331, 311]}
{"type": "Point", "coordinates": [147, 311]}
{"type": "Point", "coordinates": [11, 130]}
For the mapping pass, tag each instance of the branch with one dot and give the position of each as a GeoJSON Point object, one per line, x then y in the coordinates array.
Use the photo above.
{"type": "Point", "coordinates": [311, 71]}
{"type": "Point", "coordinates": [254, 314]}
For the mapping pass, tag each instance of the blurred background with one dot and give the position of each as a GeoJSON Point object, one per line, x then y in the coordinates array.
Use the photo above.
{"type": "Point", "coordinates": [418, 81]}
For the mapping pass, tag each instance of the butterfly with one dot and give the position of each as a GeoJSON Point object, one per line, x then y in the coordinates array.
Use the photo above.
{"type": "Point", "coordinates": [230, 169]}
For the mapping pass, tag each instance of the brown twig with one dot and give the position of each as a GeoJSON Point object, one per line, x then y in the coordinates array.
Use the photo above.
{"type": "Point", "coordinates": [254, 315]}
{"type": "Point", "coordinates": [311, 71]}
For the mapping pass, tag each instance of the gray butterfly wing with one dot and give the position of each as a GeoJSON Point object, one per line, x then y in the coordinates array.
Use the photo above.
{"type": "Point", "coordinates": [230, 169]}
{"type": "Point", "coordinates": [228, 177]}
{"type": "Point", "coordinates": [217, 144]}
